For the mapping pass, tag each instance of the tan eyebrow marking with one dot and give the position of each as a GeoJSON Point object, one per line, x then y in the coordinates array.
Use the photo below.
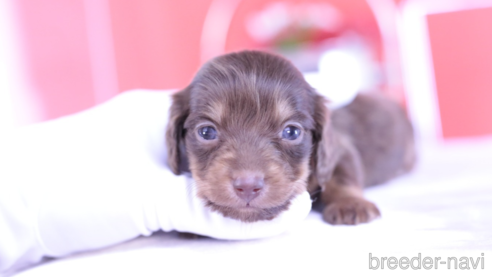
{"type": "Point", "coordinates": [215, 111]}
{"type": "Point", "coordinates": [283, 109]}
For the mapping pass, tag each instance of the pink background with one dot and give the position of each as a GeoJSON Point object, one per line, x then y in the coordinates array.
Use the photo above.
{"type": "Point", "coordinates": [81, 52]}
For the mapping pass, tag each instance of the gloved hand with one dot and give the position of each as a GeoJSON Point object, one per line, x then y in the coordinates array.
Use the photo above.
{"type": "Point", "coordinates": [99, 178]}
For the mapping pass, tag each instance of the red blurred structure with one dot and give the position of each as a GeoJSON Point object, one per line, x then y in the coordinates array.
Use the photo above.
{"type": "Point", "coordinates": [154, 44]}
{"type": "Point", "coordinates": [461, 44]}
{"type": "Point", "coordinates": [82, 52]}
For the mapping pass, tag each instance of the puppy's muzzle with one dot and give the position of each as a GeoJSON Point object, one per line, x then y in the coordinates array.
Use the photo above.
{"type": "Point", "coordinates": [248, 187]}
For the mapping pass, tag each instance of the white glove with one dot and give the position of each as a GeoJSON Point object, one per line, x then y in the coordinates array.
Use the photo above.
{"type": "Point", "coordinates": [99, 178]}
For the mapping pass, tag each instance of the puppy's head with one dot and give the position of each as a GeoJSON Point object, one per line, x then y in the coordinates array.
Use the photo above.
{"type": "Point", "coordinates": [246, 127]}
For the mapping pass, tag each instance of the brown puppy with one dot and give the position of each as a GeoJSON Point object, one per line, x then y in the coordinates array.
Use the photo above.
{"type": "Point", "coordinates": [254, 135]}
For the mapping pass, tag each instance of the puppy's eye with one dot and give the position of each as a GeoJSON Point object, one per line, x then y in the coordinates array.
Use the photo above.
{"type": "Point", "coordinates": [291, 133]}
{"type": "Point", "coordinates": [207, 133]}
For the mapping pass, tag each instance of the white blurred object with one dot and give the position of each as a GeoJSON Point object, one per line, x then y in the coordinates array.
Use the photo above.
{"type": "Point", "coordinates": [98, 178]}
{"type": "Point", "coordinates": [6, 109]}
{"type": "Point", "coordinates": [215, 28]}
{"type": "Point", "coordinates": [17, 105]}
{"type": "Point", "coordinates": [101, 49]}
{"type": "Point", "coordinates": [340, 77]}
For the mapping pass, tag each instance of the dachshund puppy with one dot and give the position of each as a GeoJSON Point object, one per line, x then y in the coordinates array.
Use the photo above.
{"type": "Point", "coordinates": [254, 134]}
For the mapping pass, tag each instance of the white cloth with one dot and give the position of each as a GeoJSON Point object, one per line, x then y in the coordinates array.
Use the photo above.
{"type": "Point", "coordinates": [442, 209]}
{"type": "Point", "coordinates": [99, 178]}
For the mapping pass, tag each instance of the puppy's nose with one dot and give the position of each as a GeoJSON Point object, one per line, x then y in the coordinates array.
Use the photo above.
{"type": "Point", "coordinates": [248, 188]}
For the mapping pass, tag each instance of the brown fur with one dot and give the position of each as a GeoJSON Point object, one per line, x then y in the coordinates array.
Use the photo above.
{"type": "Point", "coordinates": [249, 97]}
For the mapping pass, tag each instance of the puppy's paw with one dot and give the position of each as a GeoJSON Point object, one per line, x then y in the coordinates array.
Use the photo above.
{"type": "Point", "coordinates": [350, 211]}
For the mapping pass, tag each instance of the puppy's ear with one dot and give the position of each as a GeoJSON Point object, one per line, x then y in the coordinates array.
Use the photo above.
{"type": "Point", "coordinates": [324, 155]}
{"type": "Point", "coordinates": [179, 111]}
